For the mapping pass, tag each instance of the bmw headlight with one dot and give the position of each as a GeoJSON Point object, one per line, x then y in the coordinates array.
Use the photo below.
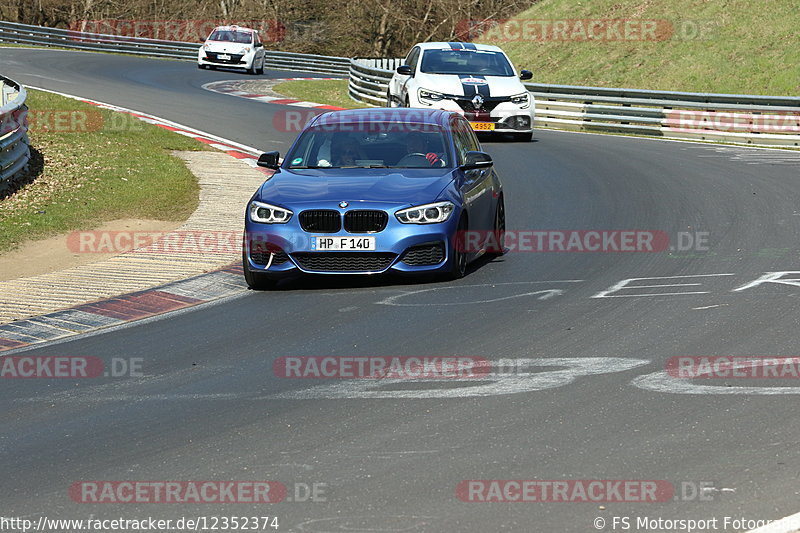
{"type": "Point", "coordinates": [523, 100]}
{"type": "Point", "coordinates": [269, 214]}
{"type": "Point", "coordinates": [426, 214]}
{"type": "Point", "coordinates": [431, 96]}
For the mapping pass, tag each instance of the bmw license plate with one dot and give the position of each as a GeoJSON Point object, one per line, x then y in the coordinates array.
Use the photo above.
{"type": "Point", "coordinates": [224, 57]}
{"type": "Point", "coordinates": [482, 126]}
{"type": "Point", "coordinates": [325, 244]}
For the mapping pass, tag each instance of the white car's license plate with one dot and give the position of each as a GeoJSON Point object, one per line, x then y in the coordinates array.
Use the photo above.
{"type": "Point", "coordinates": [325, 244]}
{"type": "Point", "coordinates": [224, 57]}
{"type": "Point", "coordinates": [482, 126]}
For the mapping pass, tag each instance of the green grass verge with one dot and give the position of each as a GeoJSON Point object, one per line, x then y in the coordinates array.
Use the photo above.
{"type": "Point", "coordinates": [92, 165]}
{"type": "Point", "coordinates": [746, 48]}
{"type": "Point", "coordinates": [329, 92]}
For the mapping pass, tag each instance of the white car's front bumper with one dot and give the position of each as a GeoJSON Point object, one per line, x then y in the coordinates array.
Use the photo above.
{"type": "Point", "coordinates": [505, 116]}
{"type": "Point", "coordinates": [209, 57]}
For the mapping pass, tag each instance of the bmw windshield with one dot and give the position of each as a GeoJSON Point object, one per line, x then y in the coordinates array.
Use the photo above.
{"type": "Point", "coordinates": [466, 63]}
{"type": "Point", "coordinates": [372, 145]}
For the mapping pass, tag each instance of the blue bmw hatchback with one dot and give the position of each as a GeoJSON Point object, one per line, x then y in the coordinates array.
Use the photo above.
{"type": "Point", "coordinates": [374, 190]}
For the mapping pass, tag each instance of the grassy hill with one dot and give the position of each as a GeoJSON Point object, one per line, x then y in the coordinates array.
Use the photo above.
{"type": "Point", "coordinates": [725, 46]}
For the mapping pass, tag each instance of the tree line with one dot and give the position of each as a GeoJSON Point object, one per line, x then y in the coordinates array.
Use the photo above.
{"type": "Point", "coordinates": [371, 28]}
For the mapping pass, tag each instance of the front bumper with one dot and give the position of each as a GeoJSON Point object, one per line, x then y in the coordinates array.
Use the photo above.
{"type": "Point", "coordinates": [505, 116]}
{"type": "Point", "coordinates": [283, 249]}
{"type": "Point", "coordinates": [235, 61]}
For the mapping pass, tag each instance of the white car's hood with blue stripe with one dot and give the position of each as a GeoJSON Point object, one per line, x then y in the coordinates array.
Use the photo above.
{"type": "Point", "coordinates": [469, 85]}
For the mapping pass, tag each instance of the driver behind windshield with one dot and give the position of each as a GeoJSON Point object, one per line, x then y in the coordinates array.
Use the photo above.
{"type": "Point", "coordinates": [417, 144]}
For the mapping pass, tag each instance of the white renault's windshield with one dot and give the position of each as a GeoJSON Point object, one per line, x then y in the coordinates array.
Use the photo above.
{"type": "Point", "coordinates": [466, 62]}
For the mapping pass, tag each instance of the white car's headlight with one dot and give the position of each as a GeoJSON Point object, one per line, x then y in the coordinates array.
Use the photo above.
{"type": "Point", "coordinates": [523, 100]}
{"type": "Point", "coordinates": [426, 214]}
{"type": "Point", "coordinates": [206, 46]}
{"type": "Point", "coordinates": [245, 50]}
{"type": "Point", "coordinates": [431, 96]}
{"type": "Point", "coordinates": [269, 214]}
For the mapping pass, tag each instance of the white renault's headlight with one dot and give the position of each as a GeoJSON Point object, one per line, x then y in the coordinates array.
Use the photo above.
{"type": "Point", "coordinates": [426, 214]}
{"type": "Point", "coordinates": [269, 214]}
{"type": "Point", "coordinates": [245, 50]}
{"type": "Point", "coordinates": [523, 100]}
{"type": "Point", "coordinates": [206, 46]}
{"type": "Point", "coordinates": [431, 96]}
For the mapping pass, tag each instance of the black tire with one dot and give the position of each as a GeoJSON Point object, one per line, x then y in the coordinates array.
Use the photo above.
{"type": "Point", "coordinates": [458, 264]}
{"type": "Point", "coordinates": [522, 137]}
{"type": "Point", "coordinates": [407, 102]}
{"type": "Point", "coordinates": [389, 99]}
{"type": "Point", "coordinates": [256, 280]}
{"type": "Point", "coordinates": [260, 70]}
{"type": "Point", "coordinates": [500, 228]}
{"type": "Point", "coordinates": [201, 67]}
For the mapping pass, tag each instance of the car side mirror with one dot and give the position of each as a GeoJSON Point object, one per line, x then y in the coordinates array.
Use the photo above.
{"type": "Point", "coordinates": [269, 160]}
{"type": "Point", "coordinates": [259, 45]}
{"type": "Point", "coordinates": [474, 160]}
{"type": "Point", "coordinates": [405, 70]}
{"type": "Point", "coordinates": [525, 74]}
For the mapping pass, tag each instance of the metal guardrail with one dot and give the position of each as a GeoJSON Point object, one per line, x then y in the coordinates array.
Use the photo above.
{"type": "Point", "coordinates": [14, 150]}
{"type": "Point", "coordinates": [12, 32]}
{"type": "Point", "coordinates": [369, 79]}
{"type": "Point", "coordinates": [734, 118]}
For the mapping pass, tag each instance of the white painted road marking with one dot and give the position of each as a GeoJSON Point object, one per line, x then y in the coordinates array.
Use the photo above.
{"type": "Point", "coordinates": [624, 284]}
{"type": "Point", "coordinates": [773, 277]}
{"type": "Point", "coordinates": [543, 294]}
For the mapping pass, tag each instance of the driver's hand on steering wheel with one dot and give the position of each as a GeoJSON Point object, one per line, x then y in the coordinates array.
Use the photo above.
{"type": "Point", "coordinates": [433, 159]}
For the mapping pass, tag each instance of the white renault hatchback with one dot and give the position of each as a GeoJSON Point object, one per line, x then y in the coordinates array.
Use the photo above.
{"type": "Point", "coordinates": [476, 80]}
{"type": "Point", "coordinates": [234, 47]}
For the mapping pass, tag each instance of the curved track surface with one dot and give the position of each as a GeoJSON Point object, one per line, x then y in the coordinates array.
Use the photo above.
{"type": "Point", "coordinates": [209, 406]}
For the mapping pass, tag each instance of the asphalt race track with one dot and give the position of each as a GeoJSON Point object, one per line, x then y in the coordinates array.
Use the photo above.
{"type": "Point", "coordinates": [209, 406]}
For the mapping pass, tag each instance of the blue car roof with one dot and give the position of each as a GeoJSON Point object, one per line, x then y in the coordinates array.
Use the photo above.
{"type": "Point", "coordinates": [407, 115]}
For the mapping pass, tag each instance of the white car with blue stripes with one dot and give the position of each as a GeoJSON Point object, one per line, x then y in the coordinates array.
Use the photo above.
{"type": "Point", "coordinates": [477, 80]}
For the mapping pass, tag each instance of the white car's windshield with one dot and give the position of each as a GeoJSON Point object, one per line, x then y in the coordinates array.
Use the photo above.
{"type": "Point", "coordinates": [465, 62]}
{"type": "Point", "coordinates": [229, 36]}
